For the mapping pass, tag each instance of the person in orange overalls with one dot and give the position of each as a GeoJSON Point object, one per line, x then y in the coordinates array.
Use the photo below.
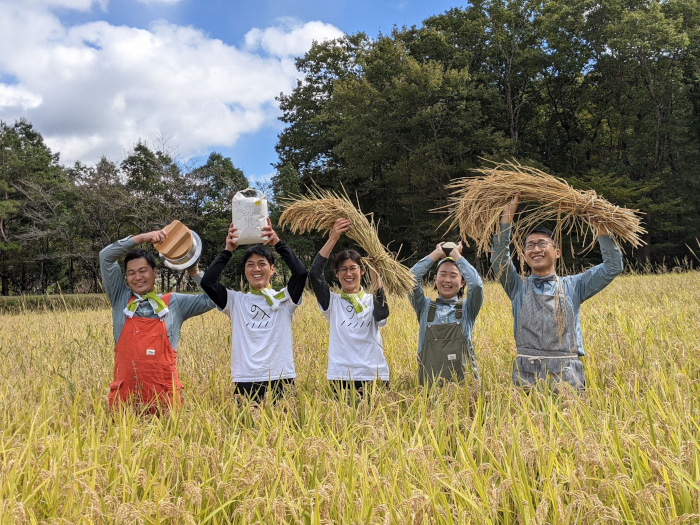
{"type": "Point", "coordinates": [146, 325]}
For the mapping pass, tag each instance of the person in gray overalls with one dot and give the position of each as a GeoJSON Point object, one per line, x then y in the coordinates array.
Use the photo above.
{"type": "Point", "coordinates": [445, 339]}
{"type": "Point", "coordinates": [545, 306]}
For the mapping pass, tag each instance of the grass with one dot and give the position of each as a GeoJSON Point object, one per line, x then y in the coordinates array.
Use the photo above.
{"type": "Point", "coordinates": [627, 451]}
{"type": "Point", "coordinates": [30, 303]}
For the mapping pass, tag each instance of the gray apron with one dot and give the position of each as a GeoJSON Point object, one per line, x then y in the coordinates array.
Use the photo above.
{"type": "Point", "coordinates": [546, 341]}
{"type": "Point", "coordinates": [445, 350]}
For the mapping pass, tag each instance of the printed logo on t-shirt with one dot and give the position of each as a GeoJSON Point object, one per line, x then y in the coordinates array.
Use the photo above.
{"type": "Point", "coordinates": [354, 321]}
{"type": "Point", "coordinates": [259, 319]}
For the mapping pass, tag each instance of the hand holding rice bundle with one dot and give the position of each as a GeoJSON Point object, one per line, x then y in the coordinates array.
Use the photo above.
{"type": "Point", "coordinates": [319, 211]}
{"type": "Point", "coordinates": [477, 202]}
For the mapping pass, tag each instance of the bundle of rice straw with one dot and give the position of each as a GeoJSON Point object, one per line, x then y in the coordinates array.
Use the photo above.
{"type": "Point", "coordinates": [476, 204]}
{"type": "Point", "coordinates": [321, 208]}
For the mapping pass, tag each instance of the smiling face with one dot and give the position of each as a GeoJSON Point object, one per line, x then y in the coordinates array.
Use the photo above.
{"type": "Point", "coordinates": [350, 273]}
{"type": "Point", "coordinates": [541, 254]}
{"type": "Point", "coordinates": [140, 277]}
{"type": "Point", "coordinates": [258, 271]}
{"type": "Point", "coordinates": [448, 280]}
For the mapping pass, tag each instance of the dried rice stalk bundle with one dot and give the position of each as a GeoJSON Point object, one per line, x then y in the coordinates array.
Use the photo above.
{"type": "Point", "coordinates": [477, 202]}
{"type": "Point", "coordinates": [321, 208]}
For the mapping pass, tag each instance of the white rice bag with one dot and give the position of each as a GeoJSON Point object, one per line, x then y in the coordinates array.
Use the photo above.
{"type": "Point", "coordinates": [249, 215]}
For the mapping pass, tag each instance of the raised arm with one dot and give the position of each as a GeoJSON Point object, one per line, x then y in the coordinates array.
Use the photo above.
{"type": "Point", "coordinates": [475, 286]}
{"type": "Point", "coordinates": [501, 262]}
{"type": "Point", "coordinates": [318, 281]}
{"type": "Point", "coordinates": [191, 305]}
{"type": "Point", "coordinates": [299, 273]}
{"type": "Point", "coordinates": [339, 228]}
{"type": "Point", "coordinates": [381, 307]}
{"type": "Point", "coordinates": [417, 296]}
{"type": "Point", "coordinates": [593, 280]}
{"type": "Point", "coordinates": [112, 276]}
{"type": "Point", "coordinates": [210, 280]}
{"type": "Point", "coordinates": [153, 237]}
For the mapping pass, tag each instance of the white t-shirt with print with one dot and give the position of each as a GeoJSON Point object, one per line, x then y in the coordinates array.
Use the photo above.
{"type": "Point", "coordinates": [261, 340]}
{"type": "Point", "coordinates": [355, 351]}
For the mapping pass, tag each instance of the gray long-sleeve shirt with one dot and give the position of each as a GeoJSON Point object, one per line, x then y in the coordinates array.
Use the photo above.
{"type": "Point", "coordinates": [181, 307]}
{"type": "Point", "coordinates": [446, 313]}
{"type": "Point", "coordinates": [577, 288]}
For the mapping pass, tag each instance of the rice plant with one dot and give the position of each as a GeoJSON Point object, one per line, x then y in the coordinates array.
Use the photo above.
{"type": "Point", "coordinates": [626, 451]}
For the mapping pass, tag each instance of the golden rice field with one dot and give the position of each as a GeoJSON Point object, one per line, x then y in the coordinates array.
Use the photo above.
{"type": "Point", "coordinates": [628, 451]}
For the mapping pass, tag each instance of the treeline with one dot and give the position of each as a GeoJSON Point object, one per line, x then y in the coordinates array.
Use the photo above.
{"type": "Point", "coordinates": [605, 95]}
{"type": "Point", "coordinates": [54, 220]}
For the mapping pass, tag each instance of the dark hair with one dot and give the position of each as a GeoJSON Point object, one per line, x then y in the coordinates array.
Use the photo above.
{"type": "Point", "coordinates": [343, 256]}
{"type": "Point", "coordinates": [444, 260]}
{"type": "Point", "coordinates": [139, 253]}
{"type": "Point", "coordinates": [259, 249]}
{"type": "Point", "coordinates": [543, 230]}
{"type": "Point", "coordinates": [460, 292]}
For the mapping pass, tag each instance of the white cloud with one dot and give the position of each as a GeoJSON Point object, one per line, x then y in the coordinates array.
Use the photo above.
{"type": "Point", "coordinates": [16, 97]}
{"type": "Point", "coordinates": [261, 179]}
{"type": "Point", "coordinates": [95, 89]}
{"type": "Point", "coordinates": [290, 37]}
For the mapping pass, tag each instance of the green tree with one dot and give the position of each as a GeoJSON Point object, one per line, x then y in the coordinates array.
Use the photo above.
{"type": "Point", "coordinates": [604, 94]}
{"type": "Point", "coordinates": [635, 112]}
{"type": "Point", "coordinates": [392, 130]}
{"type": "Point", "coordinates": [305, 143]}
{"type": "Point", "coordinates": [405, 128]}
{"type": "Point", "coordinates": [101, 211]}
{"type": "Point", "coordinates": [212, 187]}
{"type": "Point", "coordinates": [26, 165]}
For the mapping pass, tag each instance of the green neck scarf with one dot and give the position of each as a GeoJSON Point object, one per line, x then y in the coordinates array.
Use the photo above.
{"type": "Point", "coordinates": [156, 302]}
{"type": "Point", "coordinates": [272, 297]}
{"type": "Point", "coordinates": [355, 299]}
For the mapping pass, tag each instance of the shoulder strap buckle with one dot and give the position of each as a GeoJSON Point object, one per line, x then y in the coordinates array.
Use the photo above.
{"type": "Point", "coordinates": [431, 311]}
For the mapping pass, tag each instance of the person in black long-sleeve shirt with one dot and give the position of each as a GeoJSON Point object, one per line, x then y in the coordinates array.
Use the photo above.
{"type": "Point", "coordinates": [261, 321]}
{"type": "Point", "coordinates": [355, 352]}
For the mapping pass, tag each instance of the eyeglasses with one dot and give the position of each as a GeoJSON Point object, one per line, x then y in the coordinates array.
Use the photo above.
{"type": "Point", "coordinates": [542, 244]}
{"type": "Point", "coordinates": [348, 269]}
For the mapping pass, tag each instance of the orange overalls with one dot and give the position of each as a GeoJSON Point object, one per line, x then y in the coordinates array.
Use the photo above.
{"type": "Point", "coordinates": [144, 365]}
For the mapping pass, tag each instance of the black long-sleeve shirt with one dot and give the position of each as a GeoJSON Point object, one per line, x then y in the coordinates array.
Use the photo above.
{"type": "Point", "coordinates": [323, 291]}
{"type": "Point", "coordinates": [217, 292]}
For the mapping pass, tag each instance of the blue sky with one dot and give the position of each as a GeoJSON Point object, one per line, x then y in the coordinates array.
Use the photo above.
{"type": "Point", "coordinates": [95, 76]}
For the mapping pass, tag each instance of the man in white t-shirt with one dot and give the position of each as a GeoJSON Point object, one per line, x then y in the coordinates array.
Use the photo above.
{"type": "Point", "coordinates": [261, 320]}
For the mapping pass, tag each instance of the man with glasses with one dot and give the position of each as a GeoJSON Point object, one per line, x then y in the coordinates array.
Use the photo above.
{"type": "Point", "coordinates": [545, 306]}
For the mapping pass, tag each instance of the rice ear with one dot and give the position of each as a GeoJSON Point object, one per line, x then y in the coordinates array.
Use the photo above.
{"type": "Point", "coordinates": [321, 208]}
{"type": "Point", "coordinates": [476, 204]}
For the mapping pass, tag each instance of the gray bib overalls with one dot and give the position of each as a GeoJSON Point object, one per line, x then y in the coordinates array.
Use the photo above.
{"type": "Point", "coordinates": [546, 341]}
{"type": "Point", "coordinates": [445, 350]}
